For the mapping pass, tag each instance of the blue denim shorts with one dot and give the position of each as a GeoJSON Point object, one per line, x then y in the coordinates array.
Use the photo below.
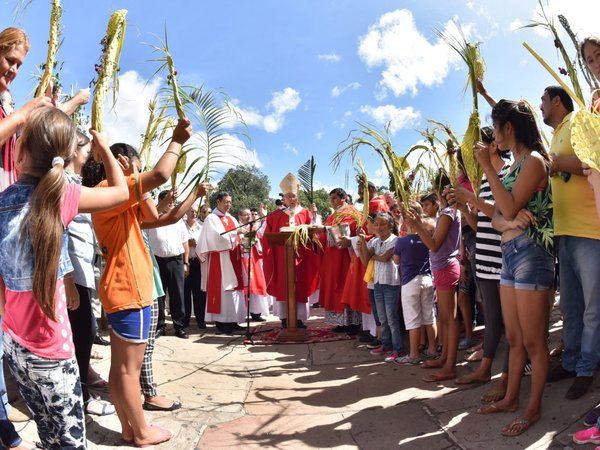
{"type": "Point", "coordinates": [132, 325]}
{"type": "Point", "coordinates": [526, 265]}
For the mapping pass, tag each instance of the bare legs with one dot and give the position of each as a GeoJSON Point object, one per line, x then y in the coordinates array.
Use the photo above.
{"type": "Point", "coordinates": [446, 300]}
{"type": "Point", "coordinates": [124, 385]}
{"type": "Point", "coordinates": [525, 318]}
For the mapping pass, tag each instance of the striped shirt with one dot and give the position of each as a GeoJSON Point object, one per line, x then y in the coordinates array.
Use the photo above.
{"type": "Point", "coordinates": [488, 255]}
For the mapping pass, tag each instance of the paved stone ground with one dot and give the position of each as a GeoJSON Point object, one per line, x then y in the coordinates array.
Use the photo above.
{"type": "Point", "coordinates": [325, 395]}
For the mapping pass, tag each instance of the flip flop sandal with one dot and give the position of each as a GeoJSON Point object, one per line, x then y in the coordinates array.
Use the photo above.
{"type": "Point", "coordinates": [475, 348]}
{"type": "Point", "coordinates": [495, 394]}
{"type": "Point", "coordinates": [432, 364]}
{"type": "Point", "coordinates": [467, 380]}
{"type": "Point", "coordinates": [492, 408]}
{"type": "Point", "coordinates": [437, 377]}
{"type": "Point", "coordinates": [521, 424]}
{"type": "Point", "coordinates": [475, 356]}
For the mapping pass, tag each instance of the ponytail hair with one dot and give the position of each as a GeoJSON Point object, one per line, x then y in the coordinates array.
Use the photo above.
{"type": "Point", "coordinates": [49, 140]}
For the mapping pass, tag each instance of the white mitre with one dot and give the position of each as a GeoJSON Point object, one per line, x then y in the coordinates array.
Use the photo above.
{"type": "Point", "coordinates": [290, 184]}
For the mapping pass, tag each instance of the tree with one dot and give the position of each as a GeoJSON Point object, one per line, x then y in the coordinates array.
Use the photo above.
{"type": "Point", "coordinates": [247, 185]}
{"type": "Point", "coordinates": [321, 199]}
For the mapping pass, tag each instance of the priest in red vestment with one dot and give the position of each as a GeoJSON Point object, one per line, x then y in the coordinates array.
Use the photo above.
{"type": "Point", "coordinates": [336, 264]}
{"type": "Point", "coordinates": [307, 260]}
{"type": "Point", "coordinates": [252, 259]}
{"type": "Point", "coordinates": [221, 264]}
{"type": "Point", "coordinates": [377, 203]}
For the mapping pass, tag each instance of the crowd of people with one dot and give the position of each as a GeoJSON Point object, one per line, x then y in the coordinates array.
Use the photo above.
{"type": "Point", "coordinates": [432, 266]}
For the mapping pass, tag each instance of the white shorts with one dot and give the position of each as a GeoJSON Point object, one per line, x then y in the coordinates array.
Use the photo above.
{"type": "Point", "coordinates": [417, 302]}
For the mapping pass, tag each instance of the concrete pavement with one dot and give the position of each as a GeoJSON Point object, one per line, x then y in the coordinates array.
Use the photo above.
{"type": "Point", "coordinates": [325, 395]}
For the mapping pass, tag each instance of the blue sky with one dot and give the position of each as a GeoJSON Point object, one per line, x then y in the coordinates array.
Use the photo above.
{"type": "Point", "coordinates": [303, 72]}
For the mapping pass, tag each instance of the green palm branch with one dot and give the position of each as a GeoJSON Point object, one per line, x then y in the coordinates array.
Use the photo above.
{"type": "Point", "coordinates": [212, 117]}
{"type": "Point", "coordinates": [380, 143]}
{"type": "Point", "coordinates": [306, 176]}
{"type": "Point", "coordinates": [547, 22]}
{"type": "Point", "coordinates": [156, 120]}
{"type": "Point", "coordinates": [166, 61]}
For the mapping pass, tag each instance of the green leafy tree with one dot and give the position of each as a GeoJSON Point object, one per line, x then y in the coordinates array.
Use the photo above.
{"type": "Point", "coordinates": [321, 199]}
{"type": "Point", "coordinates": [247, 185]}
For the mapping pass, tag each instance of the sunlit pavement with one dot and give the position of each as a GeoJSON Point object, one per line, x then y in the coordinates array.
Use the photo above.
{"type": "Point", "coordinates": [325, 395]}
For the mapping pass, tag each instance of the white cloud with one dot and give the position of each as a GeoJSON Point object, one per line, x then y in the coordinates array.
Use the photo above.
{"type": "Point", "coordinates": [583, 19]}
{"type": "Point", "coordinates": [282, 102]}
{"type": "Point", "coordinates": [399, 118]}
{"type": "Point", "coordinates": [127, 123]}
{"type": "Point", "coordinates": [339, 90]}
{"type": "Point", "coordinates": [319, 135]}
{"type": "Point", "coordinates": [233, 150]}
{"type": "Point", "coordinates": [290, 148]}
{"type": "Point", "coordinates": [407, 57]}
{"type": "Point", "coordinates": [329, 57]}
{"type": "Point", "coordinates": [317, 184]}
{"type": "Point", "coordinates": [341, 123]}
{"type": "Point", "coordinates": [516, 24]}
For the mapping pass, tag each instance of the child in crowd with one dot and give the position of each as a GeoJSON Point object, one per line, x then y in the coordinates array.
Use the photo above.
{"type": "Point", "coordinates": [79, 287]}
{"type": "Point", "coordinates": [386, 286]}
{"type": "Point", "coordinates": [417, 290]}
{"type": "Point", "coordinates": [361, 247]}
{"type": "Point", "coordinates": [125, 290]}
{"type": "Point", "coordinates": [35, 213]}
{"type": "Point", "coordinates": [488, 266]}
{"type": "Point", "coordinates": [444, 248]}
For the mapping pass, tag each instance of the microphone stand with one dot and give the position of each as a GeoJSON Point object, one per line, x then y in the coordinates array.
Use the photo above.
{"type": "Point", "coordinates": [248, 336]}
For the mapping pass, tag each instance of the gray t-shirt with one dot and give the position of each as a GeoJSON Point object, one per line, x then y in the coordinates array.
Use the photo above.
{"type": "Point", "coordinates": [449, 249]}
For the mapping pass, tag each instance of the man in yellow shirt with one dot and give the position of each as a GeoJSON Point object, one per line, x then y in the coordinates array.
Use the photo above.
{"type": "Point", "coordinates": [577, 229]}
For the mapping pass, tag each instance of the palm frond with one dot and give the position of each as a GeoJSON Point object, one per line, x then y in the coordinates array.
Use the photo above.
{"type": "Point", "coordinates": [166, 60]}
{"type": "Point", "coordinates": [20, 8]}
{"type": "Point", "coordinates": [580, 101]}
{"type": "Point", "coordinates": [156, 119]}
{"type": "Point", "coordinates": [112, 44]}
{"type": "Point", "coordinates": [53, 44]}
{"type": "Point", "coordinates": [211, 116]}
{"type": "Point", "coordinates": [306, 176]}
{"type": "Point", "coordinates": [380, 143]}
{"type": "Point", "coordinates": [547, 22]}
{"type": "Point", "coordinates": [469, 52]}
{"type": "Point", "coordinates": [590, 79]}
{"type": "Point", "coordinates": [362, 177]}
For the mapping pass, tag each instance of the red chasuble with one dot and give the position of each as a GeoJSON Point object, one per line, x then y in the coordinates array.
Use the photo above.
{"type": "Point", "coordinates": [258, 285]}
{"type": "Point", "coordinates": [336, 263]}
{"type": "Point", "coordinates": [356, 294]}
{"type": "Point", "coordinates": [215, 282]}
{"type": "Point", "coordinates": [378, 204]}
{"type": "Point", "coordinates": [307, 261]}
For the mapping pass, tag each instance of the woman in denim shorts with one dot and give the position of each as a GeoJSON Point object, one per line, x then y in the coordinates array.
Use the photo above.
{"type": "Point", "coordinates": [523, 213]}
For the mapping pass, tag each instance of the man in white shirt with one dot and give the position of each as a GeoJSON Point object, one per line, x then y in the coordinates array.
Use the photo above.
{"type": "Point", "coordinates": [170, 247]}
{"type": "Point", "coordinates": [194, 297]}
